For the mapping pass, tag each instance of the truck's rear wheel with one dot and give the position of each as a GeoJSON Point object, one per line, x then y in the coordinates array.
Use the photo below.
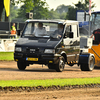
{"type": "Point", "coordinates": [89, 66]}
{"type": "Point", "coordinates": [61, 64]}
{"type": "Point", "coordinates": [21, 65]}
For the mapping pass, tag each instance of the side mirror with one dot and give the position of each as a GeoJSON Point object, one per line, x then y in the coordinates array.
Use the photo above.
{"type": "Point", "coordinates": [71, 35]}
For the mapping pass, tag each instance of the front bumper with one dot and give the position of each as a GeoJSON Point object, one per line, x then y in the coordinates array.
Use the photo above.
{"type": "Point", "coordinates": [42, 58]}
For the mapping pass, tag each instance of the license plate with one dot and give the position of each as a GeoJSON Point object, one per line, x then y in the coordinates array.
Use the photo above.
{"type": "Point", "coordinates": [32, 59]}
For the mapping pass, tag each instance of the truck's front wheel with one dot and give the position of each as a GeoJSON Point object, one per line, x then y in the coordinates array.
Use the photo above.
{"type": "Point", "coordinates": [61, 64]}
{"type": "Point", "coordinates": [21, 65]}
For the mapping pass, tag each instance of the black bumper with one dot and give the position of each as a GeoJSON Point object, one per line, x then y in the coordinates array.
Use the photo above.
{"type": "Point", "coordinates": [42, 58]}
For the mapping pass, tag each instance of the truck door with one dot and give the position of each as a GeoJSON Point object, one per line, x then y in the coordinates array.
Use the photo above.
{"type": "Point", "coordinates": [71, 43]}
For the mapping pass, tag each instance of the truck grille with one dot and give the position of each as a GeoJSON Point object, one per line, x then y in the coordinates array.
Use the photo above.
{"type": "Point", "coordinates": [35, 50]}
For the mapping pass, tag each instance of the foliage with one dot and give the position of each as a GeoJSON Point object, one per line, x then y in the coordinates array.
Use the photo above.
{"type": "Point", "coordinates": [84, 5]}
{"type": "Point", "coordinates": [22, 13]}
{"type": "Point", "coordinates": [53, 14]}
{"type": "Point", "coordinates": [71, 15]}
{"type": "Point", "coordinates": [28, 5]}
{"type": "Point", "coordinates": [63, 15]}
{"type": "Point", "coordinates": [81, 5]}
{"type": "Point", "coordinates": [13, 12]}
{"type": "Point", "coordinates": [39, 9]}
{"type": "Point", "coordinates": [62, 8]}
{"type": "Point", "coordinates": [50, 82]}
{"type": "Point", "coordinates": [62, 11]}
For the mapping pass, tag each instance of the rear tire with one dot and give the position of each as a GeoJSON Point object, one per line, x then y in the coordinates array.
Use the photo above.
{"type": "Point", "coordinates": [89, 66]}
{"type": "Point", "coordinates": [21, 65]}
{"type": "Point", "coordinates": [61, 64]}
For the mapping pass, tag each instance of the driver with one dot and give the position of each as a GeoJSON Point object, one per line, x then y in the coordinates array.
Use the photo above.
{"type": "Point", "coordinates": [58, 32]}
{"type": "Point", "coordinates": [40, 31]}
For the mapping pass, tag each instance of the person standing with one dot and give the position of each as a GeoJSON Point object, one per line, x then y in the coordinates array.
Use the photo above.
{"type": "Point", "coordinates": [96, 34]}
{"type": "Point", "coordinates": [13, 30]}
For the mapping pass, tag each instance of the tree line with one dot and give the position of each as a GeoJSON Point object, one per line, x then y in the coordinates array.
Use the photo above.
{"type": "Point", "coordinates": [40, 10]}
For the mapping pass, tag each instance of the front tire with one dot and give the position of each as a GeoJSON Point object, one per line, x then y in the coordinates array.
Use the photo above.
{"type": "Point", "coordinates": [61, 64]}
{"type": "Point", "coordinates": [89, 66]}
{"type": "Point", "coordinates": [21, 65]}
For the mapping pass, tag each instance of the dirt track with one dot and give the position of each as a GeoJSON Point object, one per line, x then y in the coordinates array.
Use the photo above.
{"type": "Point", "coordinates": [9, 71]}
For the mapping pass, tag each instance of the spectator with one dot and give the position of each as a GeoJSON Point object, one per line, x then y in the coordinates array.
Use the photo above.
{"type": "Point", "coordinates": [13, 31]}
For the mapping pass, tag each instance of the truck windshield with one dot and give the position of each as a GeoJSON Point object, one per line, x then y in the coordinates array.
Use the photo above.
{"type": "Point", "coordinates": [43, 30]}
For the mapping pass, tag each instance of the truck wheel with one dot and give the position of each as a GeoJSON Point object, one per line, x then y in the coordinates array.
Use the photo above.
{"type": "Point", "coordinates": [51, 66]}
{"type": "Point", "coordinates": [89, 66]}
{"type": "Point", "coordinates": [21, 65]}
{"type": "Point", "coordinates": [61, 64]}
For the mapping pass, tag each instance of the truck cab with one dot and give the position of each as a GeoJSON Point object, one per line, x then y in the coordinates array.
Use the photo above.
{"type": "Point", "coordinates": [49, 47]}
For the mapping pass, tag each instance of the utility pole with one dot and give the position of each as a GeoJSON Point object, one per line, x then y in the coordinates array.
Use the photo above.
{"type": "Point", "coordinates": [6, 18]}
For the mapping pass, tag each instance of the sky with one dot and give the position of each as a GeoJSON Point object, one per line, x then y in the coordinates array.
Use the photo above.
{"type": "Point", "coordinates": [54, 3]}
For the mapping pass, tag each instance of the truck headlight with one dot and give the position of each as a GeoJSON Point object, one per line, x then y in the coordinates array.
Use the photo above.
{"type": "Point", "coordinates": [18, 49]}
{"type": "Point", "coordinates": [49, 51]}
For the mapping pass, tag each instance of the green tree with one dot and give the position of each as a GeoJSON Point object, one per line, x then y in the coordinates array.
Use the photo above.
{"type": "Point", "coordinates": [22, 13]}
{"type": "Point", "coordinates": [40, 10]}
{"type": "Point", "coordinates": [53, 14]}
{"type": "Point", "coordinates": [62, 8]}
{"type": "Point", "coordinates": [13, 12]}
{"type": "Point", "coordinates": [71, 15]}
{"type": "Point", "coordinates": [84, 5]}
{"type": "Point", "coordinates": [28, 4]}
{"type": "Point", "coordinates": [62, 11]}
{"type": "Point", "coordinates": [81, 5]}
{"type": "Point", "coordinates": [63, 15]}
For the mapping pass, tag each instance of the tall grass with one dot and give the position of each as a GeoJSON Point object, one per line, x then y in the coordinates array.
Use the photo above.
{"type": "Point", "coordinates": [6, 56]}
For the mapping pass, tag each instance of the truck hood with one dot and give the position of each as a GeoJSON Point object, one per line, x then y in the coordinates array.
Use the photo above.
{"type": "Point", "coordinates": [44, 43]}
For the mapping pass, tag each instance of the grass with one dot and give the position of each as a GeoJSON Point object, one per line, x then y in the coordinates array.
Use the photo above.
{"type": "Point", "coordinates": [50, 82]}
{"type": "Point", "coordinates": [8, 56]}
